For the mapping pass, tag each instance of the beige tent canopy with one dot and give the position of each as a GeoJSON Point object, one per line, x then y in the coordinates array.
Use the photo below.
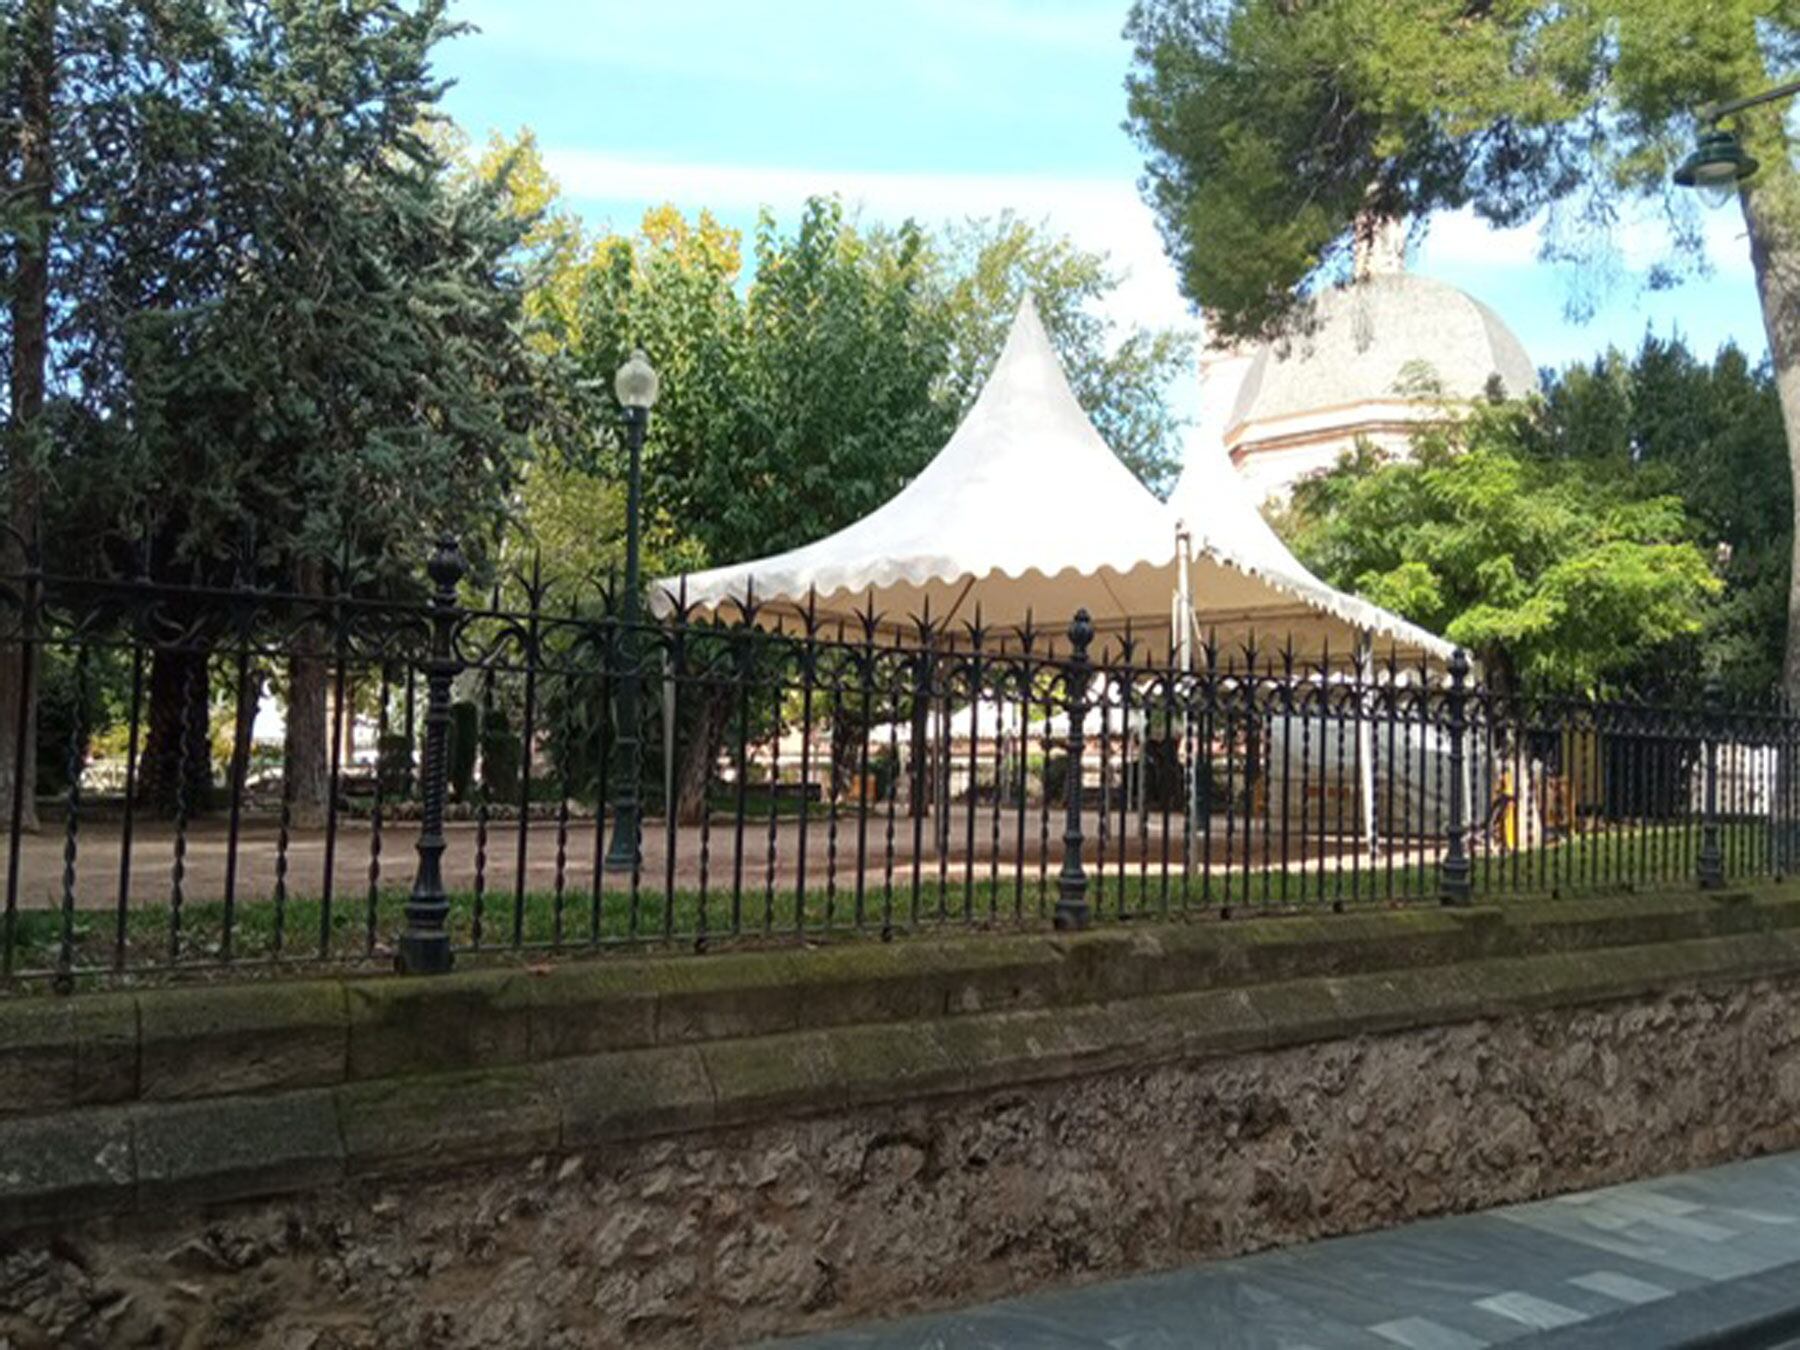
{"type": "Point", "coordinates": [1027, 514]}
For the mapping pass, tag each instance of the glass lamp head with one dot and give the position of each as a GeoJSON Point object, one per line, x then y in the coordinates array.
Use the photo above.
{"type": "Point", "coordinates": [636, 383]}
{"type": "Point", "coordinates": [1716, 167]}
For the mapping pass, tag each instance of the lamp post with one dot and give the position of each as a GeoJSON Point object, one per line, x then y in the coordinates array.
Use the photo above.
{"type": "Point", "coordinates": [1719, 164]}
{"type": "Point", "coordinates": [635, 386]}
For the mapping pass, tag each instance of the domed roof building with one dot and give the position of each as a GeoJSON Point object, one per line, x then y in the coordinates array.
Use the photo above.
{"type": "Point", "coordinates": [1374, 360]}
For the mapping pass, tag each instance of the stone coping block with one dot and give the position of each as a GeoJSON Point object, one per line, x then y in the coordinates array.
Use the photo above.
{"type": "Point", "coordinates": [61, 1052]}
{"type": "Point", "coordinates": [225, 1147]}
{"type": "Point", "coordinates": [240, 1038]}
{"type": "Point", "coordinates": [54, 1169]}
{"type": "Point", "coordinates": [269, 1035]}
{"type": "Point", "coordinates": [157, 1154]}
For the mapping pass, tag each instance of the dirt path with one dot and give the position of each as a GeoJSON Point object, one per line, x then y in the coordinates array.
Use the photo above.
{"type": "Point", "coordinates": [832, 855]}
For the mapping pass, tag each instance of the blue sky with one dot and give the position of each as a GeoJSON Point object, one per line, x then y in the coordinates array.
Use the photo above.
{"type": "Point", "coordinates": [940, 109]}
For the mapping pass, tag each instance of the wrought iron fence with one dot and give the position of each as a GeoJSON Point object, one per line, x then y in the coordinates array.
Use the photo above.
{"type": "Point", "coordinates": [788, 781]}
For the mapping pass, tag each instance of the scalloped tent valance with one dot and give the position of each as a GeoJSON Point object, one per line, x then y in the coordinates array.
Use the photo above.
{"type": "Point", "coordinates": [1026, 516]}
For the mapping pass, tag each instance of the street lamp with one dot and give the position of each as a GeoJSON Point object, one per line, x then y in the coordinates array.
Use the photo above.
{"type": "Point", "coordinates": [1716, 167]}
{"type": "Point", "coordinates": [635, 386]}
{"type": "Point", "coordinates": [1719, 164]}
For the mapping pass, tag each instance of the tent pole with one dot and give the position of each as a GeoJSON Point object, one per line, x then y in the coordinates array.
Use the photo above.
{"type": "Point", "coordinates": [668, 712]}
{"type": "Point", "coordinates": [1181, 630]}
{"type": "Point", "coordinates": [944, 776]}
{"type": "Point", "coordinates": [1365, 745]}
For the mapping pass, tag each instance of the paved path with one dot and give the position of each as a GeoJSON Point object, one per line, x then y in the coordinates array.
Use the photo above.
{"type": "Point", "coordinates": [1663, 1263]}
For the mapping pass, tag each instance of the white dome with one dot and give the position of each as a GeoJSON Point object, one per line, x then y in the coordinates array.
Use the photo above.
{"type": "Point", "coordinates": [1385, 339]}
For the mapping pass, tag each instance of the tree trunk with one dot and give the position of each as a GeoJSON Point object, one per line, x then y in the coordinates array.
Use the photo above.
{"type": "Point", "coordinates": [306, 749]}
{"type": "Point", "coordinates": [919, 797]}
{"type": "Point", "coordinates": [849, 733]}
{"type": "Point", "coordinates": [1771, 208]}
{"type": "Point", "coordinates": [175, 773]}
{"type": "Point", "coordinates": [695, 770]}
{"type": "Point", "coordinates": [30, 303]}
{"type": "Point", "coordinates": [13, 675]}
{"type": "Point", "coordinates": [1769, 214]}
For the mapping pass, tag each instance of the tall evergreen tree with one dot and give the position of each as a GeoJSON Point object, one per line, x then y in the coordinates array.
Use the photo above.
{"type": "Point", "coordinates": [28, 69]}
{"type": "Point", "coordinates": [284, 319]}
{"type": "Point", "coordinates": [1273, 127]}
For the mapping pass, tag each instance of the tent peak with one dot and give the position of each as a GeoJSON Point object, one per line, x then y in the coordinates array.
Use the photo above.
{"type": "Point", "coordinates": [1027, 334]}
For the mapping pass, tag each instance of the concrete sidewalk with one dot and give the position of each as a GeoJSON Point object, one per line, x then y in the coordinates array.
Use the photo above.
{"type": "Point", "coordinates": [1672, 1262]}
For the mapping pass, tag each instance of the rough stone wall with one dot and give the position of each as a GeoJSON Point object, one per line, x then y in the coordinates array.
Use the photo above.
{"type": "Point", "coordinates": [747, 1233]}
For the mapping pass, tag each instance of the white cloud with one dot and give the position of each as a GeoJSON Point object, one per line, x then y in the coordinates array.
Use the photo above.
{"type": "Point", "coordinates": [1462, 238]}
{"type": "Point", "coordinates": [1099, 214]}
{"type": "Point", "coordinates": [1105, 214]}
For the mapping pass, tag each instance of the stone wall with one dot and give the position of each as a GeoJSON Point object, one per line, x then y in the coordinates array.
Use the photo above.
{"type": "Point", "coordinates": [723, 1236]}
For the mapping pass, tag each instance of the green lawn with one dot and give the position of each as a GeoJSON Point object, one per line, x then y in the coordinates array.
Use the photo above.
{"type": "Point", "coordinates": [301, 932]}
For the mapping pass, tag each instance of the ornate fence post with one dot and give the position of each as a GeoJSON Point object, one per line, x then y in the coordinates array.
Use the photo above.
{"type": "Point", "coordinates": [1711, 862]}
{"type": "Point", "coordinates": [424, 947]}
{"type": "Point", "coordinates": [1071, 897]}
{"type": "Point", "coordinates": [1453, 872]}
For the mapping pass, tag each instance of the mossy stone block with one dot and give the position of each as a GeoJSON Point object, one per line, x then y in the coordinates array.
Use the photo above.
{"type": "Point", "coordinates": [1297, 1012]}
{"type": "Point", "coordinates": [895, 1062]}
{"type": "Point", "coordinates": [56, 1169]}
{"type": "Point", "coordinates": [1371, 1004]}
{"type": "Point", "coordinates": [1566, 979]}
{"type": "Point", "coordinates": [427, 1122]}
{"type": "Point", "coordinates": [106, 1048]}
{"type": "Point", "coordinates": [1096, 964]}
{"type": "Point", "coordinates": [234, 1147]}
{"type": "Point", "coordinates": [266, 1037]}
{"type": "Point", "coordinates": [1217, 1022]}
{"type": "Point", "coordinates": [441, 1024]}
{"type": "Point", "coordinates": [771, 1076]}
{"type": "Point", "coordinates": [635, 1094]}
{"type": "Point", "coordinates": [1189, 956]}
{"type": "Point", "coordinates": [743, 995]}
{"type": "Point", "coordinates": [881, 982]}
{"type": "Point", "coordinates": [1006, 974]}
{"type": "Point", "coordinates": [591, 1007]}
{"type": "Point", "coordinates": [56, 1053]}
{"type": "Point", "coordinates": [1027, 1047]}
{"type": "Point", "coordinates": [37, 1055]}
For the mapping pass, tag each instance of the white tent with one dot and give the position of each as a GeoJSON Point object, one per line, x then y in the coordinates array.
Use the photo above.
{"type": "Point", "coordinates": [1213, 506]}
{"type": "Point", "coordinates": [1027, 514]}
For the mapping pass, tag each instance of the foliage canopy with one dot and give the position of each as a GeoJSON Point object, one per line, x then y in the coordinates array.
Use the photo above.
{"type": "Point", "coordinates": [1271, 127]}
{"type": "Point", "coordinates": [1627, 529]}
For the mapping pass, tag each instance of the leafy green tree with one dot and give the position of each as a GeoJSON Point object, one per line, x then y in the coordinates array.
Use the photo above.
{"type": "Point", "coordinates": [1273, 128]}
{"type": "Point", "coordinates": [790, 410]}
{"type": "Point", "coordinates": [289, 328]}
{"type": "Point", "coordinates": [97, 214]}
{"type": "Point", "coordinates": [988, 266]}
{"type": "Point", "coordinates": [1709, 433]}
{"type": "Point", "coordinates": [1555, 572]}
{"type": "Point", "coordinates": [42, 44]}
